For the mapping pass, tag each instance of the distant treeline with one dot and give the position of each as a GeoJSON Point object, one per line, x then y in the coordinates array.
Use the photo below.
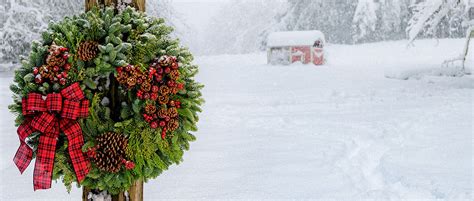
{"type": "Point", "coordinates": [343, 21]}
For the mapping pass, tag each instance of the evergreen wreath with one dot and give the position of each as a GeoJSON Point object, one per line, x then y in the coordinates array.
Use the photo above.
{"type": "Point", "coordinates": [129, 86]}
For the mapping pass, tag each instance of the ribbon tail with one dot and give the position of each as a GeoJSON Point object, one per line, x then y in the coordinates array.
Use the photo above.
{"type": "Point", "coordinates": [23, 157]}
{"type": "Point", "coordinates": [81, 164]}
{"type": "Point", "coordinates": [43, 172]}
{"type": "Point", "coordinates": [24, 154]}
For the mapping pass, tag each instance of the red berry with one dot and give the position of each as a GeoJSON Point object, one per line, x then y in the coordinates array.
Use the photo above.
{"type": "Point", "coordinates": [119, 69]}
{"type": "Point", "coordinates": [155, 89]}
{"type": "Point", "coordinates": [62, 81]}
{"type": "Point", "coordinates": [59, 76]}
{"type": "Point", "coordinates": [167, 70]}
{"type": "Point", "coordinates": [163, 133]}
{"type": "Point", "coordinates": [65, 56]}
{"type": "Point", "coordinates": [180, 86]}
{"type": "Point", "coordinates": [56, 52]}
{"type": "Point", "coordinates": [154, 96]}
{"type": "Point", "coordinates": [129, 165]}
{"type": "Point", "coordinates": [35, 71]}
{"type": "Point", "coordinates": [146, 96]}
{"type": "Point", "coordinates": [167, 119]}
{"type": "Point", "coordinates": [91, 153]}
{"type": "Point", "coordinates": [128, 68]}
{"type": "Point", "coordinates": [162, 123]}
{"type": "Point", "coordinates": [56, 68]}
{"type": "Point", "coordinates": [158, 78]}
{"type": "Point", "coordinates": [171, 83]}
{"type": "Point", "coordinates": [38, 80]}
{"type": "Point", "coordinates": [160, 71]}
{"type": "Point", "coordinates": [154, 124]}
{"type": "Point", "coordinates": [174, 66]}
{"type": "Point", "coordinates": [67, 66]}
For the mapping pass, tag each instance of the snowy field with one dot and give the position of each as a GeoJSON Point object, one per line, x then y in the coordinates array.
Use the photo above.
{"type": "Point", "coordinates": [344, 131]}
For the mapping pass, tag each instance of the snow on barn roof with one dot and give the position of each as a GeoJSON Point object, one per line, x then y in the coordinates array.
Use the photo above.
{"type": "Point", "coordinates": [294, 38]}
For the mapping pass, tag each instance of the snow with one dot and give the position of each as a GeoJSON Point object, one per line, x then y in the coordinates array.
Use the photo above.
{"type": "Point", "coordinates": [365, 18]}
{"type": "Point", "coordinates": [294, 38]}
{"type": "Point", "coordinates": [343, 131]}
{"type": "Point", "coordinates": [428, 14]}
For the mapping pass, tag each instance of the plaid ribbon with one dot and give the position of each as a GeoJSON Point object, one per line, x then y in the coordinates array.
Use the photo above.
{"type": "Point", "coordinates": [50, 116]}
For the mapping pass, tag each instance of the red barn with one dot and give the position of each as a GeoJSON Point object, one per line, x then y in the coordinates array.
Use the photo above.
{"type": "Point", "coordinates": [296, 46]}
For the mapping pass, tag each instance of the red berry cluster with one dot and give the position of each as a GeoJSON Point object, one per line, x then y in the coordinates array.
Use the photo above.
{"type": "Point", "coordinates": [56, 68]}
{"type": "Point", "coordinates": [157, 86]}
{"type": "Point", "coordinates": [164, 75]}
{"type": "Point", "coordinates": [166, 118]}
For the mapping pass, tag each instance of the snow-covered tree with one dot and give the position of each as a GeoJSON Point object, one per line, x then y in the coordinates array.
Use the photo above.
{"type": "Point", "coordinates": [165, 9]}
{"type": "Point", "coordinates": [429, 14]}
{"type": "Point", "coordinates": [22, 21]}
{"type": "Point", "coordinates": [239, 25]}
{"type": "Point", "coordinates": [332, 17]}
{"type": "Point", "coordinates": [365, 19]}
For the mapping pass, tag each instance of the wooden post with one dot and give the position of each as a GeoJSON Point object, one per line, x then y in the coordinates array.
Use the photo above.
{"type": "Point", "coordinates": [135, 193]}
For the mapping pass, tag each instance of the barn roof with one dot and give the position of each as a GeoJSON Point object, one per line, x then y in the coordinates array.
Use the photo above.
{"type": "Point", "coordinates": [294, 38]}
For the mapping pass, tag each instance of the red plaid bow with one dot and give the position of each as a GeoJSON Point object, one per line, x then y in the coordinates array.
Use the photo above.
{"type": "Point", "coordinates": [57, 113]}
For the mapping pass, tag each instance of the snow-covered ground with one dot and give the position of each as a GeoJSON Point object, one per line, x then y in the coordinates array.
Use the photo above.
{"type": "Point", "coordinates": [344, 131]}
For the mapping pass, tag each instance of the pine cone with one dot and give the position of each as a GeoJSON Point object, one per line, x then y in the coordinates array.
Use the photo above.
{"type": "Point", "coordinates": [131, 81]}
{"type": "Point", "coordinates": [174, 90]}
{"type": "Point", "coordinates": [163, 100]}
{"type": "Point", "coordinates": [174, 74]}
{"type": "Point", "coordinates": [146, 86]}
{"type": "Point", "coordinates": [163, 113]}
{"type": "Point", "coordinates": [165, 61]}
{"type": "Point", "coordinates": [173, 112]}
{"type": "Point", "coordinates": [172, 125]}
{"type": "Point", "coordinates": [150, 109]}
{"type": "Point", "coordinates": [54, 60]}
{"type": "Point", "coordinates": [164, 90]}
{"type": "Point", "coordinates": [88, 50]}
{"type": "Point", "coordinates": [110, 154]}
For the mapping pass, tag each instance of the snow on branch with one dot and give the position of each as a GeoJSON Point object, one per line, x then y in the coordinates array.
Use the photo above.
{"type": "Point", "coordinates": [428, 14]}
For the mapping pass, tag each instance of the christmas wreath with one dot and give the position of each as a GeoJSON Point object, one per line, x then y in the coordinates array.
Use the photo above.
{"type": "Point", "coordinates": [107, 98]}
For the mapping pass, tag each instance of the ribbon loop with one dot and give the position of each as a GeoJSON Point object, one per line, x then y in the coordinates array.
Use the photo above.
{"type": "Point", "coordinates": [73, 92]}
{"type": "Point", "coordinates": [84, 111]}
{"type": "Point", "coordinates": [35, 103]}
{"type": "Point", "coordinates": [54, 102]}
{"type": "Point", "coordinates": [43, 122]}
{"type": "Point", "coordinates": [70, 109]}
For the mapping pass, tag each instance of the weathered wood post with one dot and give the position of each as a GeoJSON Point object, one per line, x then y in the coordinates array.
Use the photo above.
{"type": "Point", "coordinates": [135, 193]}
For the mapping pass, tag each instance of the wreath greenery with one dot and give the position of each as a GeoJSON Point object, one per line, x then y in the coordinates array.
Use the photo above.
{"type": "Point", "coordinates": [140, 85]}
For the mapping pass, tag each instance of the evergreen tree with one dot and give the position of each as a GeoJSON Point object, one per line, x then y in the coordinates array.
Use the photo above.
{"type": "Point", "coordinates": [22, 21]}
{"type": "Point", "coordinates": [428, 15]}
{"type": "Point", "coordinates": [365, 19]}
